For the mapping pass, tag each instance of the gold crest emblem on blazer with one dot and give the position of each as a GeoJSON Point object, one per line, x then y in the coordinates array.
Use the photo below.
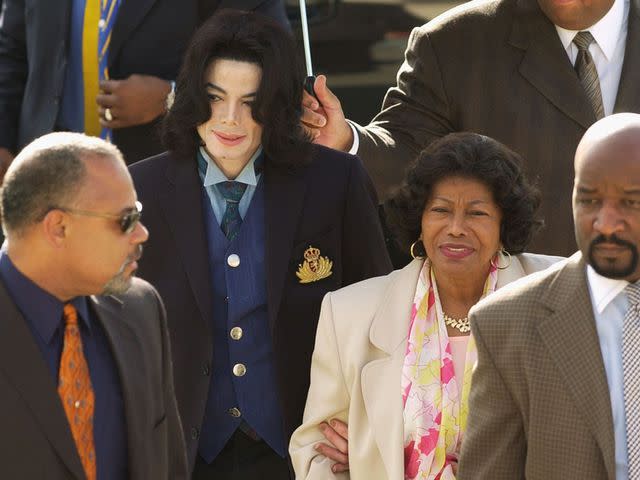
{"type": "Point", "coordinates": [315, 267]}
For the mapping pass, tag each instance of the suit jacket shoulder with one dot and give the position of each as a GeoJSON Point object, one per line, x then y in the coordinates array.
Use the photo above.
{"type": "Point", "coordinates": [146, 172]}
{"type": "Point", "coordinates": [342, 165]}
{"type": "Point", "coordinates": [521, 299]}
{"type": "Point", "coordinates": [136, 326]}
{"type": "Point", "coordinates": [533, 262]}
{"type": "Point", "coordinates": [140, 295]}
{"type": "Point", "coordinates": [476, 15]}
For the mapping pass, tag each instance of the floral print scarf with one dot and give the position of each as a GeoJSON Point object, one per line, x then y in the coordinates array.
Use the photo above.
{"type": "Point", "coordinates": [434, 414]}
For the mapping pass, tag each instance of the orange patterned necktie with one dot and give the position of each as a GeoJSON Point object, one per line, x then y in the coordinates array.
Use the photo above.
{"type": "Point", "coordinates": [76, 393]}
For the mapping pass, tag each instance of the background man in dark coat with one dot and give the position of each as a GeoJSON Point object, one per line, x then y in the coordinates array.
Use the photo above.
{"type": "Point", "coordinates": [505, 69]}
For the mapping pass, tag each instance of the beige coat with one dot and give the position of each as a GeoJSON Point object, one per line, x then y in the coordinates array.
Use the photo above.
{"type": "Point", "coordinates": [539, 405]}
{"type": "Point", "coordinates": [356, 367]}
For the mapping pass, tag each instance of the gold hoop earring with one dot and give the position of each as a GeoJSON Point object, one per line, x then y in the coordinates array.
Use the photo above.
{"type": "Point", "coordinates": [505, 254]}
{"type": "Point", "coordinates": [412, 250]}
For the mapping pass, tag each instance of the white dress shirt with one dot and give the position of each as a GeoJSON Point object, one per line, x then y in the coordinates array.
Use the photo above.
{"type": "Point", "coordinates": [610, 304]}
{"type": "Point", "coordinates": [607, 51]}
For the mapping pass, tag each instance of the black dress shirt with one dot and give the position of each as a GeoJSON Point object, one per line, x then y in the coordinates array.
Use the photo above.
{"type": "Point", "coordinates": [43, 314]}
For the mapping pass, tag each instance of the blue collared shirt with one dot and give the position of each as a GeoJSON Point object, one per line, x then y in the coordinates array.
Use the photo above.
{"type": "Point", "coordinates": [210, 174]}
{"type": "Point", "coordinates": [44, 317]}
{"type": "Point", "coordinates": [610, 305]}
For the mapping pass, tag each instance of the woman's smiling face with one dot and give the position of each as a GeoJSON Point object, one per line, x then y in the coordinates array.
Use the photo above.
{"type": "Point", "coordinates": [461, 227]}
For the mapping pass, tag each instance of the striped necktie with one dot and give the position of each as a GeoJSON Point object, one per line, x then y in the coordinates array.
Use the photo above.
{"type": "Point", "coordinates": [587, 73]}
{"type": "Point", "coordinates": [232, 192]}
{"type": "Point", "coordinates": [76, 392]}
{"type": "Point", "coordinates": [631, 377]}
{"type": "Point", "coordinates": [99, 18]}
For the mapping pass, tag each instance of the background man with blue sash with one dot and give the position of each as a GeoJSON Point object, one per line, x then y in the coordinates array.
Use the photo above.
{"type": "Point", "coordinates": [92, 65]}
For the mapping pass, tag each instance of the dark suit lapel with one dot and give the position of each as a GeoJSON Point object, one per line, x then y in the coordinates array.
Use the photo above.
{"type": "Point", "coordinates": [570, 334]}
{"type": "Point", "coordinates": [23, 365]}
{"type": "Point", "coordinates": [125, 348]}
{"type": "Point", "coordinates": [130, 14]}
{"type": "Point", "coordinates": [181, 204]}
{"type": "Point", "coordinates": [546, 65]}
{"type": "Point", "coordinates": [628, 97]}
{"type": "Point", "coordinates": [284, 198]}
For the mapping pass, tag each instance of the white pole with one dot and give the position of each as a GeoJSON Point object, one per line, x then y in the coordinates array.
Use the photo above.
{"type": "Point", "coordinates": [305, 37]}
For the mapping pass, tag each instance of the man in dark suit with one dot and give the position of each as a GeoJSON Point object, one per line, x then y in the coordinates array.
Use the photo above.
{"type": "Point", "coordinates": [86, 385]}
{"type": "Point", "coordinates": [505, 69]}
{"type": "Point", "coordinates": [250, 226]}
{"type": "Point", "coordinates": [42, 65]}
{"type": "Point", "coordinates": [555, 392]}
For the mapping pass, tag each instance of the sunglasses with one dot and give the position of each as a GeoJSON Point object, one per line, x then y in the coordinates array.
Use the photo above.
{"type": "Point", "coordinates": [127, 220]}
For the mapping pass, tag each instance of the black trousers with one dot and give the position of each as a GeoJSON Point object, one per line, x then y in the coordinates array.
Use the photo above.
{"type": "Point", "coordinates": [243, 458]}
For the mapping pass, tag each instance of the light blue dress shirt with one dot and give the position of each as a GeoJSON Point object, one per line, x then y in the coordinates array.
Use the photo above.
{"type": "Point", "coordinates": [214, 175]}
{"type": "Point", "coordinates": [610, 305]}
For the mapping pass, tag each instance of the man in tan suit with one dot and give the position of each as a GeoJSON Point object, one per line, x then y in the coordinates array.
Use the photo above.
{"type": "Point", "coordinates": [553, 395]}
{"type": "Point", "coordinates": [505, 69]}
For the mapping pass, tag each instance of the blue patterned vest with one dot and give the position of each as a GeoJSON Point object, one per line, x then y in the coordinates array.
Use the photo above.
{"type": "Point", "coordinates": [243, 383]}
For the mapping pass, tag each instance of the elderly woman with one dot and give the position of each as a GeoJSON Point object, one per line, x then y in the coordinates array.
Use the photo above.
{"type": "Point", "coordinates": [250, 226]}
{"type": "Point", "coordinates": [393, 356]}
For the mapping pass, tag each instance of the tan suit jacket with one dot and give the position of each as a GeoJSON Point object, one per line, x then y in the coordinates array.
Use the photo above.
{"type": "Point", "coordinates": [539, 405]}
{"type": "Point", "coordinates": [496, 67]}
{"type": "Point", "coordinates": [356, 368]}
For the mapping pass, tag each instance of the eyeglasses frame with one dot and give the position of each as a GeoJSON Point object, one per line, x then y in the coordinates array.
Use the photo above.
{"type": "Point", "coordinates": [131, 215]}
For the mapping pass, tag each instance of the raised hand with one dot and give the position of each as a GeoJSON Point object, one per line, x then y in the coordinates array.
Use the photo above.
{"type": "Point", "coordinates": [325, 121]}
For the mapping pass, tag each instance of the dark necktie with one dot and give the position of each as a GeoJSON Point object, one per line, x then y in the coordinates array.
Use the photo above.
{"type": "Point", "coordinates": [587, 73]}
{"type": "Point", "coordinates": [76, 392]}
{"type": "Point", "coordinates": [631, 377]}
{"type": "Point", "coordinates": [232, 193]}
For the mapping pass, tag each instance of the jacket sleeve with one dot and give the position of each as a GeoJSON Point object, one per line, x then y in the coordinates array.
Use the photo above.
{"type": "Point", "coordinates": [13, 70]}
{"type": "Point", "coordinates": [176, 448]}
{"type": "Point", "coordinates": [364, 250]}
{"type": "Point", "coordinates": [328, 398]}
{"type": "Point", "coordinates": [494, 446]}
{"type": "Point", "coordinates": [414, 113]}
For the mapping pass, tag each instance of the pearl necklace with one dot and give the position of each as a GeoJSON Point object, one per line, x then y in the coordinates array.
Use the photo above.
{"type": "Point", "coordinates": [461, 324]}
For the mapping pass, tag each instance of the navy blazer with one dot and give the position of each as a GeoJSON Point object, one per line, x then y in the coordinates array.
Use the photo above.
{"type": "Point", "coordinates": [328, 204]}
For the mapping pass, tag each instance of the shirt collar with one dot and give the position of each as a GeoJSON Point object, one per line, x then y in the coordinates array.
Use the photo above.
{"type": "Point", "coordinates": [603, 289]}
{"type": "Point", "coordinates": [213, 175]}
{"type": "Point", "coordinates": [606, 31]}
{"type": "Point", "coordinates": [41, 310]}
